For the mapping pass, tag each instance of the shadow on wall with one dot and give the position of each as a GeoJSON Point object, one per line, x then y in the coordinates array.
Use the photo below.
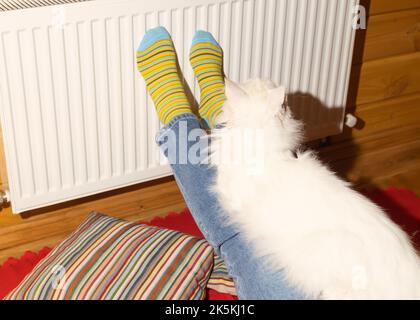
{"type": "Point", "coordinates": [319, 113]}
{"type": "Point", "coordinates": [315, 115]}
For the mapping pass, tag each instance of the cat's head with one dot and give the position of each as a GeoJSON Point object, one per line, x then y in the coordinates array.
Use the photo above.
{"type": "Point", "coordinates": [259, 104]}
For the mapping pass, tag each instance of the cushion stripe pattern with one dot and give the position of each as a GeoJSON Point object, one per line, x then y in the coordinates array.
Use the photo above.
{"type": "Point", "coordinates": [110, 259]}
{"type": "Point", "coordinates": [219, 279]}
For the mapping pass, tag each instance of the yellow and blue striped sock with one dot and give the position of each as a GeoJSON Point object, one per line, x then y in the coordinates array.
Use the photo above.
{"type": "Point", "coordinates": [157, 63]}
{"type": "Point", "coordinates": [206, 59]}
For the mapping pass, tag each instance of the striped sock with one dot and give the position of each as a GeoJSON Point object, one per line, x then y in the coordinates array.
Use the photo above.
{"type": "Point", "coordinates": [156, 61]}
{"type": "Point", "coordinates": [206, 58]}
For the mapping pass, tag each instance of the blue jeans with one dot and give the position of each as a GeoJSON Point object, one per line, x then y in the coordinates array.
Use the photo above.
{"type": "Point", "coordinates": [253, 280]}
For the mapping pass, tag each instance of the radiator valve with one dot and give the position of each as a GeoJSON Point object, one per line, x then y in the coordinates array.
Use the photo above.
{"type": "Point", "coordinates": [350, 120]}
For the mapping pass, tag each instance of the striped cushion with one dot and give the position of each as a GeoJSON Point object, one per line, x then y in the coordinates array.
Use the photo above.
{"type": "Point", "coordinates": [109, 258]}
{"type": "Point", "coordinates": [220, 280]}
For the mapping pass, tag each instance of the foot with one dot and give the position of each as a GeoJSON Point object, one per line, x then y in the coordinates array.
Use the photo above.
{"type": "Point", "coordinates": [206, 59]}
{"type": "Point", "coordinates": [157, 63]}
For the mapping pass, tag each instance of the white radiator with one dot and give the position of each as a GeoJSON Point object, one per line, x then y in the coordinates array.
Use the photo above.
{"type": "Point", "coordinates": [76, 117]}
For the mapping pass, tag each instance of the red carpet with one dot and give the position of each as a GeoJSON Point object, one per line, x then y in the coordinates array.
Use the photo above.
{"type": "Point", "coordinates": [403, 206]}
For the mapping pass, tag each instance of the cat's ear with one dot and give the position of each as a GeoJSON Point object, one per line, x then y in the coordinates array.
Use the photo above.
{"type": "Point", "coordinates": [233, 91]}
{"type": "Point", "coordinates": [277, 95]}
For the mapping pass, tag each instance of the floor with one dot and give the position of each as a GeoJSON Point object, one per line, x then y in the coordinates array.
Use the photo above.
{"type": "Point", "coordinates": [48, 227]}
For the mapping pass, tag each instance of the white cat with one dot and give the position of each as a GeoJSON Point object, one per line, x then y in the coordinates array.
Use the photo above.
{"type": "Point", "coordinates": [333, 242]}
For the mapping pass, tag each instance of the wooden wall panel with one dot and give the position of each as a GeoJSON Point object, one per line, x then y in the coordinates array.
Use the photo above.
{"type": "Point", "coordinates": [386, 115]}
{"type": "Point", "coordinates": [351, 149]}
{"type": "Point", "coordinates": [365, 167]}
{"type": "Point", "coordinates": [388, 78]}
{"type": "Point", "coordinates": [384, 6]}
{"type": "Point", "coordinates": [382, 116]}
{"type": "Point", "coordinates": [391, 34]}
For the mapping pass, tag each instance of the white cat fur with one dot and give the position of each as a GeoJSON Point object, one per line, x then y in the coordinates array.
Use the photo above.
{"type": "Point", "coordinates": [332, 241]}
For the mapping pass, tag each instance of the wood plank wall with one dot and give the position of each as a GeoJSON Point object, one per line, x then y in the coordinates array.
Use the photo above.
{"type": "Point", "coordinates": [384, 95]}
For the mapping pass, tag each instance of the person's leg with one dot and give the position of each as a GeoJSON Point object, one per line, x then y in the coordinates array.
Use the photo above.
{"type": "Point", "coordinates": [253, 280]}
{"type": "Point", "coordinates": [157, 63]}
{"type": "Point", "coordinates": [184, 143]}
{"type": "Point", "coordinates": [206, 59]}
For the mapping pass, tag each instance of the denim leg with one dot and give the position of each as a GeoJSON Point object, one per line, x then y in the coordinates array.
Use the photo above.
{"type": "Point", "coordinates": [180, 141]}
{"type": "Point", "coordinates": [254, 280]}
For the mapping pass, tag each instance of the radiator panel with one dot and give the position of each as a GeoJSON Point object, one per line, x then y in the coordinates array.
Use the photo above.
{"type": "Point", "coordinates": [75, 114]}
